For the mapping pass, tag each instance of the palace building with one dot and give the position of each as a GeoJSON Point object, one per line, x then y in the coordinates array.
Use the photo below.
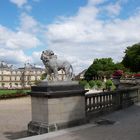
{"type": "Point", "coordinates": [24, 77]}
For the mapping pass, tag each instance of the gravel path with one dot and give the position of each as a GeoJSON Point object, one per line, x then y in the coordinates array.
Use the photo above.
{"type": "Point", "coordinates": [15, 114]}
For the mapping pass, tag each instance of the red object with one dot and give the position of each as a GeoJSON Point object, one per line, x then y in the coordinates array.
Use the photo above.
{"type": "Point", "coordinates": [118, 73]}
{"type": "Point", "coordinates": [137, 75]}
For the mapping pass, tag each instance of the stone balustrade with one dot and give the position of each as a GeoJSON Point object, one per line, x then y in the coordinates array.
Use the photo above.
{"type": "Point", "coordinates": [99, 103]}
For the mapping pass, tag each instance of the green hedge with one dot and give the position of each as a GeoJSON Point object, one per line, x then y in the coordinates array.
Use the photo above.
{"type": "Point", "coordinates": [108, 85]}
{"type": "Point", "coordinates": [7, 93]}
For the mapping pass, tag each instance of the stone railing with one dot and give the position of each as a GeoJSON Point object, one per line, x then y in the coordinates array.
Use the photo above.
{"type": "Point", "coordinates": [130, 81]}
{"type": "Point", "coordinates": [99, 103]}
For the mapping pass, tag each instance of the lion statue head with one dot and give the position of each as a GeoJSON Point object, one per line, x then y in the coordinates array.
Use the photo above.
{"type": "Point", "coordinates": [47, 55]}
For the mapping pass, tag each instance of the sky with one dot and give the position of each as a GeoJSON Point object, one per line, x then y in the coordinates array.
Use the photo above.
{"type": "Point", "coordinates": [76, 30]}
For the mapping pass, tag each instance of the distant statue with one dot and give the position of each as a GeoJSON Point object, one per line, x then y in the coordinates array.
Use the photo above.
{"type": "Point", "coordinates": [53, 65]}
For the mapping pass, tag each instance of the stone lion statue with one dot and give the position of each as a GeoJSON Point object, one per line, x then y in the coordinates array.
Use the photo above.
{"type": "Point", "coordinates": [53, 65]}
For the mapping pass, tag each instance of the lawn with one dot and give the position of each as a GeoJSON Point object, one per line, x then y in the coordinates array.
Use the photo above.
{"type": "Point", "coordinates": [7, 93]}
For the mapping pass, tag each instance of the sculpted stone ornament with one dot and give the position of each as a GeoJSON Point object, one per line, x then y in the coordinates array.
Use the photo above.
{"type": "Point", "coordinates": [63, 93]}
{"type": "Point", "coordinates": [53, 65]}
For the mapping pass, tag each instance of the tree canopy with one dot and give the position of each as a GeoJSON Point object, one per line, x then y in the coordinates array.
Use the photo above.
{"type": "Point", "coordinates": [131, 59]}
{"type": "Point", "coordinates": [102, 67]}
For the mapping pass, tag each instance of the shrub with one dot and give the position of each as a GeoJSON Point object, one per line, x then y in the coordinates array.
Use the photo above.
{"type": "Point", "coordinates": [109, 84]}
{"type": "Point", "coordinates": [92, 83]}
{"type": "Point", "coordinates": [99, 83]}
{"type": "Point", "coordinates": [83, 83]}
{"type": "Point", "coordinates": [87, 86]}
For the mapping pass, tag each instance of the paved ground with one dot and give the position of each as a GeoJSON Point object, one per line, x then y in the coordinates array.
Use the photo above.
{"type": "Point", "coordinates": [127, 127]}
{"type": "Point", "coordinates": [16, 113]}
{"type": "Point", "coordinates": [14, 117]}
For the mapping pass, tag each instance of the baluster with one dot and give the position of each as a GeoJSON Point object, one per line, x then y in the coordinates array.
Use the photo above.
{"type": "Point", "coordinates": [100, 101]}
{"type": "Point", "coordinates": [104, 101]}
{"type": "Point", "coordinates": [93, 102]}
{"type": "Point", "coordinates": [90, 104]}
{"type": "Point", "coordinates": [109, 100]}
{"type": "Point", "coordinates": [108, 96]}
{"type": "Point", "coordinates": [97, 102]}
{"type": "Point", "coordinates": [86, 101]}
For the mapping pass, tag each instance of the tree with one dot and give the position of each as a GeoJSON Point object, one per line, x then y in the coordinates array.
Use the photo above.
{"type": "Point", "coordinates": [120, 66]}
{"type": "Point", "coordinates": [100, 68]}
{"type": "Point", "coordinates": [131, 59]}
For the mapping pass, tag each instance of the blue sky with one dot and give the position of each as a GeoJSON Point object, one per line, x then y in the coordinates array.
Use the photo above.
{"type": "Point", "coordinates": [43, 10]}
{"type": "Point", "coordinates": [78, 30]}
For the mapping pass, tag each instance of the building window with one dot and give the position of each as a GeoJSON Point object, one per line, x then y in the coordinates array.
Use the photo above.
{"type": "Point", "coordinates": [10, 85]}
{"type": "Point", "coordinates": [3, 84]}
{"type": "Point", "coordinates": [16, 84]}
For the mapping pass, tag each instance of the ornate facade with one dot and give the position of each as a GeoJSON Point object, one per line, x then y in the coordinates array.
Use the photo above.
{"type": "Point", "coordinates": [24, 77]}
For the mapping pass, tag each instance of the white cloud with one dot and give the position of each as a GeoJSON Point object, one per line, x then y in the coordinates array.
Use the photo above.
{"type": "Point", "coordinates": [28, 23]}
{"type": "Point", "coordinates": [24, 4]}
{"type": "Point", "coordinates": [113, 9]}
{"type": "Point", "coordinates": [36, 58]}
{"type": "Point", "coordinates": [22, 40]}
{"type": "Point", "coordinates": [79, 38]}
{"type": "Point", "coordinates": [17, 40]}
{"type": "Point", "coordinates": [14, 44]}
{"type": "Point", "coordinates": [83, 37]}
{"type": "Point", "coordinates": [31, 26]}
{"type": "Point", "coordinates": [14, 56]}
{"type": "Point", "coordinates": [19, 3]}
{"type": "Point", "coordinates": [95, 2]}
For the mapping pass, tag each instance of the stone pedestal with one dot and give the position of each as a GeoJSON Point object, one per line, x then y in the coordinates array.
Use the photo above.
{"type": "Point", "coordinates": [56, 106]}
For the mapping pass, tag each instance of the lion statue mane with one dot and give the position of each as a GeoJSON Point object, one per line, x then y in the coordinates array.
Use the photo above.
{"type": "Point", "coordinates": [53, 65]}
